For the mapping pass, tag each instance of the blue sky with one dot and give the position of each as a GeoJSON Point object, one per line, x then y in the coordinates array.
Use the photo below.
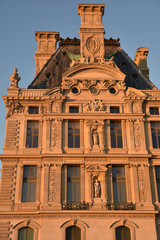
{"type": "Point", "coordinates": [136, 23]}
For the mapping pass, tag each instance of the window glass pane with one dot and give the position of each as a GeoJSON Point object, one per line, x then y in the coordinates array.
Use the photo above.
{"type": "Point", "coordinates": [123, 233]}
{"type": "Point", "coordinates": [73, 109]}
{"type": "Point", "coordinates": [32, 193]}
{"type": "Point", "coordinates": [119, 184]}
{"type": "Point", "coordinates": [25, 233]}
{"type": "Point", "coordinates": [155, 130]}
{"type": "Point", "coordinates": [32, 134]}
{"type": "Point", "coordinates": [73, 134]}
{"type": "Point", "coordinates": [157, 169]}
{"type": "Point", "coordinates": [29, 183]}
{"type": "Point", "coordinates": [154, 110]}
{"type": "Point", "coordinates": [114, 109]}
{"type": "Point", "coordinates": [69, 191]}
{"type": "Point", "coordinates": [73, 183]}
{"type": "Point", "coordinates": [33, 110]}
{"type": "Point", "coordinates": [77, 192]}
{"type": "Point", "coordinates": [25, 192]}
{"type": "Point", "coordinates": [73, 233]}
{"type": "Point", "coordinates": [116, 134]}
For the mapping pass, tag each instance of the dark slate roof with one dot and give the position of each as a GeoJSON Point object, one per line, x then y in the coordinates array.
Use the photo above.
{"type": "Point", "coordinates": [51, 74]}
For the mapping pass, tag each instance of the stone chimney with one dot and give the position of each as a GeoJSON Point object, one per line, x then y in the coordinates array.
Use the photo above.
{"type": "Point", "coordinates": [141, 60]}
{"type": "Point", "coordinates": [46, 46]}
{"type": "Point", "coordinates": [91, 30]}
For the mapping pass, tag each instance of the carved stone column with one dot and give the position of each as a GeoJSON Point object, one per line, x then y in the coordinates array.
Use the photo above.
{"type": "Point", "coordinates": [82, 183]}
{"type": "Point", "coordinates": [108, 134]}
{"type": "Point", "coordinates": [88, 187]}
{"type": "Point", "coordinates": [101, 138]}
{"type": "Point", "coordinates": [59, 139]}
{"type": "Point", "coordinates": [47, 129]}
{"type": "Point", "coordinates": [44, 186]}
{"type": "Point", "coordinates": [87, 140]}
{"type": "Point", "coordinates": [82, 134]}
{"type": "Point", "coordinates": [124, 134]}
{"type": "Point", "coordinates": [134, 184]}
{"type": "Point", "coordinates": [103, 186]}
{"type": "Point", "coordinates": [130, 135]}
{"type": "Point", "coordinates": [58, 186]}
{"type": "Point", "coordinates": [148, 187]}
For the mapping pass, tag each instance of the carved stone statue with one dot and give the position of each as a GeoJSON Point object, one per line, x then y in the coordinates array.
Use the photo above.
{"type": "Point", "coordinates": [95, 136]}
{"type": "Point", "coordinates": [97, 188]}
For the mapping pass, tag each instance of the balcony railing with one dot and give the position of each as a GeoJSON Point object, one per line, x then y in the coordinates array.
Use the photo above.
{"type": "Point", "coordinates": [121, 206]}
{"type": "Point", "coordinates": [75, 206]}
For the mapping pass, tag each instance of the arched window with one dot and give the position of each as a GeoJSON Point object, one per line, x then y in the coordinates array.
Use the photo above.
{"type": "Point", "coordinates": [123, 233]}
{"type": "Point", "coordinates": [25, 233]}
{"type": "Point", "coordinates": [73, 233]}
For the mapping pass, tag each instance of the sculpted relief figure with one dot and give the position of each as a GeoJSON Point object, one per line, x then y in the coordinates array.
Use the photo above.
{"type": "Point", "coordinates": [97, 189]}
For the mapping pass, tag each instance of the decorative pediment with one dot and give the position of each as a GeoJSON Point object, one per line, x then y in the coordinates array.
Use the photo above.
{"type": "Point", "coordinates": [95, 168]}
{"type": "Point", "coordinates": [133, 93]}
{"type": "Point", "coordinates": [55, 93]}
{"type": "Point", "coordinates": [95, 71]}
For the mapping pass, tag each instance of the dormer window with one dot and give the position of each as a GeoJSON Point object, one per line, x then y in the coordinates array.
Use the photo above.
{"type": "Point", "coordinates": [33, 110]}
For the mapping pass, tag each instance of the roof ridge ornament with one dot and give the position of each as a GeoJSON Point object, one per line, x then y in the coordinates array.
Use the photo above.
{"type": "Point", "coordinates": [14, 79]}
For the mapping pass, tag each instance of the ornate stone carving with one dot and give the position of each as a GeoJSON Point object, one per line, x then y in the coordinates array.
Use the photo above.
{"type": "Point", "coordinates": [54, 135]}
{"type": "Point", "coordinates": [14, 107]}
{"type": "Point", "coordinates": [52, 184]}
{"type": "Point", "coordinates": [92, 45]}
{"type": "Point", "coordinates": [95, 105]}
{"type": "Point", "coordinates": [141, 185]}
{"type": "Point", "coordinates": [14, 79]}
{"type": "Point", "coordinates": [137, 135]}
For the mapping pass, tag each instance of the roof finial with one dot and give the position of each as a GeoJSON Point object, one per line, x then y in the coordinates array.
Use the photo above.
{"type": "Point", "coordinates": [14, 79]}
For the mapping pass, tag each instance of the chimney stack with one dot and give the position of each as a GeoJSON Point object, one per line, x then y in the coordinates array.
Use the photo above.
{"type": "Point", "coordinates": [46, 46]}
{"type": "Point", "coordinates": [91, 30]}
{"type": "Point", "coordinates": [141, 60]}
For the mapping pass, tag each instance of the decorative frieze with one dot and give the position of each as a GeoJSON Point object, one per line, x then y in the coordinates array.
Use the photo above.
{"type": "Point", "coordinates": [54, 135]}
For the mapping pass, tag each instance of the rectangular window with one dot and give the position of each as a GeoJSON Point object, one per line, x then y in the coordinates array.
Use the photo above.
{"type": "Point", "coordinates": [32, 134]}
{"type": "Point", "coordinates": [73, 184]}
{"type": "Point", "coordinates": [114, 109]}
{"type": "Point", "coordinates": [33, 110]}
{"type": "Point", "coordinates": [157, 169]}
{"type": "Point", "coordinates": [155, 130]}
{"type": "Point", "coordinates": [154, 110]}
{"type": "Point", "coordinates": [116, 134]}
{"type": "Point", "coordinates": [73, 109]}
{"type": "Point", "coordinates": [73, 134]}
{"type": "Point", "coordinates": [119, 184]}
{"type": "Point", "coordinates": [29, 183]}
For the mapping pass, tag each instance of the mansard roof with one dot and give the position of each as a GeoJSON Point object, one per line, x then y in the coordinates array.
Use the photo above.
{"type": "Point", "coordinates": [50, 75]}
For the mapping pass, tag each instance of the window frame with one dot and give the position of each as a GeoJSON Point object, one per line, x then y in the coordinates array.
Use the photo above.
{"type": "Point", "coordinates": [32, 134]}
{"type": "Point", "coordinates": [120, 179]}
{"type": "Point", "coordinates": [156, 135]}
{"type": "Point", "coordinates": [29, 180]}
{"type": "Point", "coordinates": [73, 135]}
{"type": "Point", "coordinates": [114, 134]}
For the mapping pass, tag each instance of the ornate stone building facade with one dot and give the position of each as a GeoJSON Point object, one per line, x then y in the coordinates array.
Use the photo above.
{"type": "Point", "coordinates": [81, 155]}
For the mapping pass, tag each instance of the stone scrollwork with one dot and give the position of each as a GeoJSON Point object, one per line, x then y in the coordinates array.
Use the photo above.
{"type": "Point", "coordinates": [52, 184]}
{"type": "Point", "coordinates": [141, 184]}
{"type": "Point", "coordinates": [14, 107]}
